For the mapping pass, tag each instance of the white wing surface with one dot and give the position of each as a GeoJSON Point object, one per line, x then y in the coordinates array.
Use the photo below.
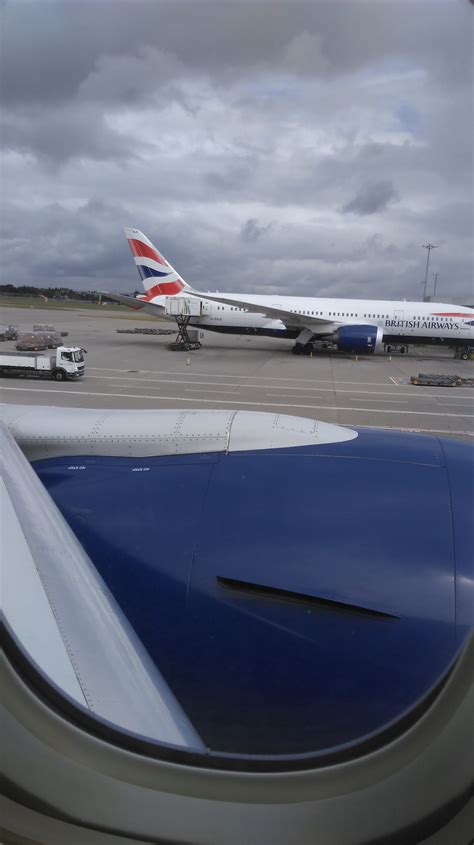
{"type": "Point", "coordinates": [289, 318]}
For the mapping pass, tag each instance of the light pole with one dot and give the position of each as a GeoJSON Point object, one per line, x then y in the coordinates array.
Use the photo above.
{"type": "Point", "coordinates": [429, 247]}
{"type": "Point", "coordinates": [435, 283]}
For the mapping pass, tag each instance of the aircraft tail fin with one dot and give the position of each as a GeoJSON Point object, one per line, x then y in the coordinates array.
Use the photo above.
{"type": "Point", "coordinates": [158, 277]}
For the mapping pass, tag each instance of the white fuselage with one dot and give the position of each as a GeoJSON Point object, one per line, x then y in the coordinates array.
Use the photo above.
{"type": "Point", "coordinates": [400, 322]}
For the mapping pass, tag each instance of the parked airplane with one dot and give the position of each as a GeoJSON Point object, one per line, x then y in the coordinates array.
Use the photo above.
{"type": "Point", "coordinates": [354, 325]}
{"type": "Point", "coordinates": [203, 645]}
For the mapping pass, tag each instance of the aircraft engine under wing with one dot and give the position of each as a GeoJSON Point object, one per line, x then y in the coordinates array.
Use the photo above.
{"type": "Point", "coordinates": [286, 604]}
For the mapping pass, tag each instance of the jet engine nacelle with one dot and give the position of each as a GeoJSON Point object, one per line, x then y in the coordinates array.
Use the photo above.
{"type": "Point", "coordinates": [359, 338]}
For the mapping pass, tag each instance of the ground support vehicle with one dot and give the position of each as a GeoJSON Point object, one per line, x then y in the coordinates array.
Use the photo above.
{"type": "Point", "coordinates": [186, 339]}
{"type": "Point", "coordinates": [67, 362]}
{"type": "Point", "coordinates": [465, 353]}
{"type": "Point", "coordinates": [31, 341]}
{"type": "Point", "coordinates": [37, 340]}
{"type": "Point", "coordinates": [183, 310]}
{"type": "Point", "coordinates": [43, 327]}
{"type": "Point", "coordinates": [436, 380]}
{"type": "Point", "coordinates": [402, 348]}
{"type": "Point", "coordinates": [8, 332]}
{"type": "Point", "coordinates": [53, 340]}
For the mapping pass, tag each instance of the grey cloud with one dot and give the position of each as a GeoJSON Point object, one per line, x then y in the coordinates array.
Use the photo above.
{"type": "Point", "coordinates": [231, 177]}
{"type": "Point", "coordinates": [371, 198]}
{"type": "Point", "coordinates": [251, 231]}
{"type": "Point", "coordinates": [130, 79]}
{"type": "Point", "coordinates": [60, 134]}
{"type": "Point", "coordinates": [51, 47]}
{"type": "Point", "coordinates": [211, 124]}
{"type": "Point", "coordinates": [305, 54]}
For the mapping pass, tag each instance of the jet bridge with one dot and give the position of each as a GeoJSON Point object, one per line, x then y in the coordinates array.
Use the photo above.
{"type": "Point", "coordinates": [184, 309]}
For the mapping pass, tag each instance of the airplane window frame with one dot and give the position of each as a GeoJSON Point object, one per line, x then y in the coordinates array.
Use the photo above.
{"type": "Point", "coordinates": [92, 724]}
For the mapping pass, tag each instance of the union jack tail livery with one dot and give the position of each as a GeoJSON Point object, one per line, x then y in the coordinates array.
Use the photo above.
{"type": "Point", "coordinates": [159, 278]}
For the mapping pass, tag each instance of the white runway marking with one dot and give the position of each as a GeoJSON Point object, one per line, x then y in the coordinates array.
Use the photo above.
{"type": "Point", "coordinates": [238, 402]}
{"type": "Point", "coordinates": [395, 382]}
{"type": "Point", "coordinates": [289, 396]}
{"type": "Point", "coordinates": [201, 390]}
{"type": "Point", "coordinates": [312, 398]}
{"type": "Point", "coordinates": [239, 375]}
{"type": "Point", "coordinates": [456, 404]}
{"type": "Point", "coordinates": [414, 395]}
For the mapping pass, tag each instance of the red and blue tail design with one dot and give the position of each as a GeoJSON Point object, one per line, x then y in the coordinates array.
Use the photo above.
{"type": "Point", "coordinates": [158, 276]}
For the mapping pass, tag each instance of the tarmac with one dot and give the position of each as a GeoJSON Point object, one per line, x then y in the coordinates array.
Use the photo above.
{"type": "Point", "coordinates": [230, 371]}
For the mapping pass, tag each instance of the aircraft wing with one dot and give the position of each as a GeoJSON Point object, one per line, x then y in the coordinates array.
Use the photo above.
{"type": "Point", "coordinates": [136, 304]}
{"type": "Point", "coordinates": [289, 318]}
{"type": "Point", "coordinates": [63, 615]}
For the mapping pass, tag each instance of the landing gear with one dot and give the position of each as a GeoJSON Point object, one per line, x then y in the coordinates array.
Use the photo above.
{"type": "Point", "coordinates": [302, 349]}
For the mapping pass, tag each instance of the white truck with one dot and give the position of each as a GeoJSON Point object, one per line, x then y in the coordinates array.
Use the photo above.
{"type": "Point", "coordinates": [65, 362]}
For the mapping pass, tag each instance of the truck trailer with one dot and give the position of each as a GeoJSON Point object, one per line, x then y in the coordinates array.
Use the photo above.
{"type": "Point", "coordinates": [66, 362]}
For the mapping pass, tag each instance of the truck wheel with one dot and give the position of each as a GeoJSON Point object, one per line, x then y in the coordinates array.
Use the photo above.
{"type": "Point", "coordinates": [465, 356]}
{"type": "Point", "coordinates": [58, 375]}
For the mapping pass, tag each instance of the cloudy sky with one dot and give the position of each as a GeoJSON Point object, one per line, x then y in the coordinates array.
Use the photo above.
{"type": "Point", "coordinates": [278, 146]}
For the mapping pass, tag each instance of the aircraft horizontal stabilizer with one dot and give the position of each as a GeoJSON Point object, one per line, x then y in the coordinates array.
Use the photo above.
{"type": "Point", "coordinates": [136, 304]}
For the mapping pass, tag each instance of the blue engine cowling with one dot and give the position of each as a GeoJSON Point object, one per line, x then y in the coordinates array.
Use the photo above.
{"type": "Point", "coordinates": [359, 338]}
{"type": "Point", "coordinates": [294, 599]}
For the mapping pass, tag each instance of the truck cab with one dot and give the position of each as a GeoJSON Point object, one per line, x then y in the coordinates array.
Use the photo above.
{"type": "Point", "coordinates": [70, 361]}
